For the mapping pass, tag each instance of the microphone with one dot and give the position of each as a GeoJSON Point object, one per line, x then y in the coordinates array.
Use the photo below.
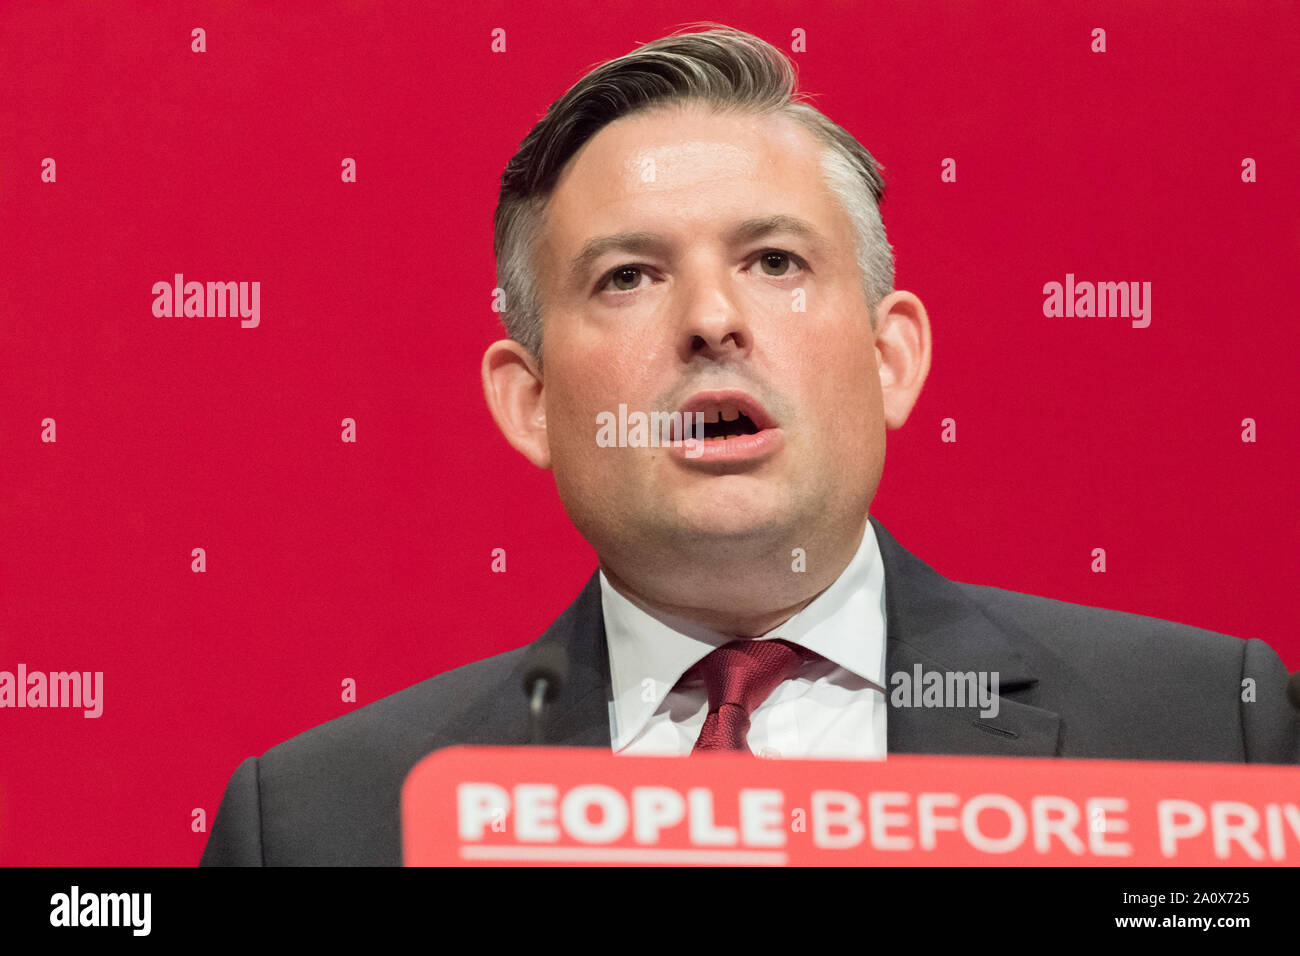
{"type": "Point", "coordinates": [545, 671]}
{"type": "Point", "coordinates": [1293, 690]}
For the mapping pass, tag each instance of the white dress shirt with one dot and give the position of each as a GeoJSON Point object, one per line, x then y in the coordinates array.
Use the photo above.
{"type": "Point", "coordinates": [832, 708]}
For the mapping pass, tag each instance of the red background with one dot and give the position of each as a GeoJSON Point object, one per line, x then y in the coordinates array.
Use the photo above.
{"type": "Point", "coordinates": [372, 560]}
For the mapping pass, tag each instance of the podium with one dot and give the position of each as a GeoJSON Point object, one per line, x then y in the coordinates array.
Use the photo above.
{"type": "Point", "coordinates": [518, 806]}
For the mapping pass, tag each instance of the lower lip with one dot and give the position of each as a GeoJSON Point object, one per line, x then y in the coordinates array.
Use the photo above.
{"type": "Point", "coordinates": [740, 448]}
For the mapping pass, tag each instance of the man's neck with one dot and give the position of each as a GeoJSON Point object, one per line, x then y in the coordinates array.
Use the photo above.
{"type": "Point", "coordinates": [725, 616]}
{"type": "Point", "coordinates": [724, 622]}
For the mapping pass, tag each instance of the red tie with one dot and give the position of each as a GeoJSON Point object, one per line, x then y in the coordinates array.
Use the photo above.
{"type": "Point", "coordinates": [740, 676]}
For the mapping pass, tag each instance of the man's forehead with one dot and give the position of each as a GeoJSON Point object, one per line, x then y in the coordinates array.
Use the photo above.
{"type": "Point", "coordinates": [654, 170]}
{"type": "Point", "coordinates": [655, 152]}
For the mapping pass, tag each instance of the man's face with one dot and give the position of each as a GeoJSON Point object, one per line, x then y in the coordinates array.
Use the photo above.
{"type": "Point", "coordinates": [703, 305]}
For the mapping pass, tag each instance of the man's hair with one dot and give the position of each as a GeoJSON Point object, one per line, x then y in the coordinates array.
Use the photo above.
{"type": "Point", "coordinates": [725, 69]}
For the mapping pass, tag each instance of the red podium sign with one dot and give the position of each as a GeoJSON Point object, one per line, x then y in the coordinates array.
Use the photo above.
{"type": "Point", "coordinates": [585, 807]}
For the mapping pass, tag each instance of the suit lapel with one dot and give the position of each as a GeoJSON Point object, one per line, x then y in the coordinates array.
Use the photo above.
{"type": "Point", "coordinates": [579, 717]}
{"type": "Point", "coordinates": [931, 622]}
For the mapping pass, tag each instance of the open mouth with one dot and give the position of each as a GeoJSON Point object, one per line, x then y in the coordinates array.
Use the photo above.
{"type": "Point", "coordinates": [727, 429]}
{"type": "Point", "coordinates": [725, 414]}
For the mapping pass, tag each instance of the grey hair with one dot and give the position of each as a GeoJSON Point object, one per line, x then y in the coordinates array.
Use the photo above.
{"type": "Point", "coordinates": [725, 69]}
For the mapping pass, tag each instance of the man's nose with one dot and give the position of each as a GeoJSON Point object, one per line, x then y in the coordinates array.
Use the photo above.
{"type": "Point", "coordinates": [713, 321]}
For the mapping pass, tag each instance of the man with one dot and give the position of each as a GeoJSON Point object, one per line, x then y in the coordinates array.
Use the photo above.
{"type": "Point", "coordinates": [680, 239]}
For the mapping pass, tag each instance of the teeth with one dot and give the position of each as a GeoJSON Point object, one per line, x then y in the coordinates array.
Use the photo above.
{"type": "Point", "coordinates": [717, 412]}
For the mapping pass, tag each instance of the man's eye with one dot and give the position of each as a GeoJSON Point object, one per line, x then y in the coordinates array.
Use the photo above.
{"type": "Point", "coordinates": [776, 263]}
{"type": "Point", "coordinates": [623, 279]}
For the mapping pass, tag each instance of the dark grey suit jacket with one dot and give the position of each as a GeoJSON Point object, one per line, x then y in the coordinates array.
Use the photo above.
{"type": "Point", "coordinates": [1075, 681]}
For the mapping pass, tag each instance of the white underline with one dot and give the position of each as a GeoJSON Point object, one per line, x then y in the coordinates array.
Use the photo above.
{"type": "Point", "coordinates": [594, 854]}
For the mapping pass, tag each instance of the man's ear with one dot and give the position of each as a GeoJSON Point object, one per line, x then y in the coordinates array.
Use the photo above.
{"type": "Point", "coordinates": [902, 354]}
{"type": "Point", "coordinates": [512, 385]}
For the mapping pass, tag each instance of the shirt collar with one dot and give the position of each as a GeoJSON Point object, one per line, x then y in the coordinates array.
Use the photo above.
{"type": "Point", "coordinates": [648, 653]}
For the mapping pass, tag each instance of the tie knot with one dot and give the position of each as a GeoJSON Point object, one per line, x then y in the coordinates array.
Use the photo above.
{"type": "Point", "coordinates": [745, 672]}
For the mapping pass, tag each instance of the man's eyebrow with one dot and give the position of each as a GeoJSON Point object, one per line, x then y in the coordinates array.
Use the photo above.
{"type": "Point", "coordinates": [752, 229]}
{"type": "Point", "coordinates": [639, 243]}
